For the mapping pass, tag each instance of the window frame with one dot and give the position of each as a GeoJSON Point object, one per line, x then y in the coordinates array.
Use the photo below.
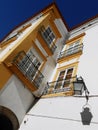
{"type": "Point", "coordinates": [64, 77]}
{"type": "Point", "coordinates": [51, 33]}
{"type": "Point", "coordinates": [72, 47]}
{"type": "Point", "coordinates": [24, 68]}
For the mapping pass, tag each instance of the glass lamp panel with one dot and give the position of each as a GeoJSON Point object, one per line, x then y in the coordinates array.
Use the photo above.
{"type": "Point", "coordinates": [78, 88]}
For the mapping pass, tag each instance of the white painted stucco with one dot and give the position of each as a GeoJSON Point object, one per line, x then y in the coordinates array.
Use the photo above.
{"type": "Point", "coordinates": [88, 66]}
{"type": "Point", "coordinates": [14, 94]}
{"type": "Point", "coordinates": [62, 28]}
{"type": "Point", "coordinates": [16, 97]}
{"type": "Point", "coordinates": [83, 27]}
{"type": "Point", "coordinates": [62, 113]}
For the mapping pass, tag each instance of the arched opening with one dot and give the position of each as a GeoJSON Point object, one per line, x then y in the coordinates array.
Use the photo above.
{"type": "Point", "coordinates": [8, 120]}
{"type": "Point", "coordinates": [5, 123]}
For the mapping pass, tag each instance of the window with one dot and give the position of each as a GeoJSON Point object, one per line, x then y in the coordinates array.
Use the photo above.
{"type": "Point", "coordinates": [28, 64]}
{"type": "Point", "coordinates": [64, 78]}
{"type": "Point", "coordinates": [73, 48]}
{"type": "Point", "coordinates": [34, 59]}
{"type": "Point", "coordinates": [68, 77]}
{"type": "Point", "coordinates": [48, 36]}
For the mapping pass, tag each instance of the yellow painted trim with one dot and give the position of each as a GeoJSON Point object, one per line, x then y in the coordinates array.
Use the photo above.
{"type": "Point", "coordinates": [25, 81]}
{"type": "Point", "coordinates": [73, 65]}
{"type": "Point", "coordinates": [15, 70]}
{"type": "Point", "coordinates": [75, 38]}
{"type": "Point", "coordinates": [25, 42]}
{"type": "Point", "coordinates": [39, 51]}
{"type": "Point", "coordinates": [49, 22]}
{"type": "Point", "coordinates": [54, 28]}
{"type": "Point", "coordinates": [54, 10]}
{"type": "Point", "coordinates": [67, 66]}
{"type": "Point", "coordinates": [42, 66]}
{"type": "Point", "coordinates": [44, 44]}
{"type": "Point", "coordinates": [67, 58]}
{"type": "Point", "coordinates": [55, 76]}
{"type": "Point", "coordinates": [61, 94]}
{"type": "Point", "coordinates": [67, 93]}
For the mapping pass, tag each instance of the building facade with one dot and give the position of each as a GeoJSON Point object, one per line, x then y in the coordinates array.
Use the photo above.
{"type": "Point", "coordinates": [42, 59]}
{"type": "Point", "coordinates": [27, 60]}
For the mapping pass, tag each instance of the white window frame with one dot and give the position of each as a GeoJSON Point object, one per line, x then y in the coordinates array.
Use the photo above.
{"type": "Point", "coordinates": [66, 70]}
{"type": "Point", "coordinates": [50, 37]}
{"type": "Point", "coordinates": [72, 47]}
{"type": "Point", "coordinates": [28, 66]}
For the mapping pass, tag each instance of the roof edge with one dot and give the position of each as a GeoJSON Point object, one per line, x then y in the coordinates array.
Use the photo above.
{"type": "Point", "coordinates": [82, 23]}
{"type": "Point", "coordinates": [51, 4]}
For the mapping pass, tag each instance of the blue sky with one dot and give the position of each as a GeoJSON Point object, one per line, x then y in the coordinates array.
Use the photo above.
{"type": "Point", "coordinates": [14, 12]}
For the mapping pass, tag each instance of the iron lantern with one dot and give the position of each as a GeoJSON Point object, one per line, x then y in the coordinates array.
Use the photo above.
{"type": "Point", "coordinates": [79, 86]}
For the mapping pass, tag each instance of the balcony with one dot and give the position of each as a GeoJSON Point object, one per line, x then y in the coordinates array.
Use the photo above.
{"type": "Point", "coordinates": [34, 75]}
{"type": "Point", "coordinates": [61, 86]}
{"type": "Point", "coordinates": [29, 68]}
{"type": "Point", "coordinates": [71, 51]}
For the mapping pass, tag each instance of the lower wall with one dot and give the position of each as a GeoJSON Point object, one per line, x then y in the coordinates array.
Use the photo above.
{"type": "Point", "coordinates": [16, 97]}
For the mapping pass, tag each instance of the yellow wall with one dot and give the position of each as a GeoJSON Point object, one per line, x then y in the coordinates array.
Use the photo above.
{"type": "Point", "coordinates": [26, 43]}
{"type": "Point", "coordinates": [5, 74]}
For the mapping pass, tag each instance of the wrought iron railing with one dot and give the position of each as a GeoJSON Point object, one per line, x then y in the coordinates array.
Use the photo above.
{"type": "Point", "coordinates": [28, 69]}
{"type": "Point", "coordinates": [63, 85]}
{"type": "Point", "coordinates": [71, 51]}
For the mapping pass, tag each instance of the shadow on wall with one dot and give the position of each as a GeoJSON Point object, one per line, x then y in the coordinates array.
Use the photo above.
{"type": "Point", "coordinates": [86, 116]}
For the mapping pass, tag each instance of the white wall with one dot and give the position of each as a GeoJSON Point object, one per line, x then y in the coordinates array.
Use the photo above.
{"type": "Point", "coordinates": [63, 113]}
{"type": "Point", "coordinates": [50, 66]}
{"type": "Point", "coordinates": [88, 66]}
{"type": "Point", "coordinates": [16, 97]}
{"type": "Point", "coordinates": [47, 72]}
{"type": "Point", "coordinates": [62, 28]}
{"type": "Point", "coordinates": [60, 113]}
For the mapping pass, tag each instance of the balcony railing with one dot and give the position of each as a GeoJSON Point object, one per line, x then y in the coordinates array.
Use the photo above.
{"type": "Point", "coordinates": [71, 51]}
{"type": "Point", "coordinates": [64, 85]}
{"type": "Point", "coordinates": [28, 68]}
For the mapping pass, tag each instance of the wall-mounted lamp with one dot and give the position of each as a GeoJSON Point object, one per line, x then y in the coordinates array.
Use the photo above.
{"type": "Point", "coordinates": [79, 88]}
